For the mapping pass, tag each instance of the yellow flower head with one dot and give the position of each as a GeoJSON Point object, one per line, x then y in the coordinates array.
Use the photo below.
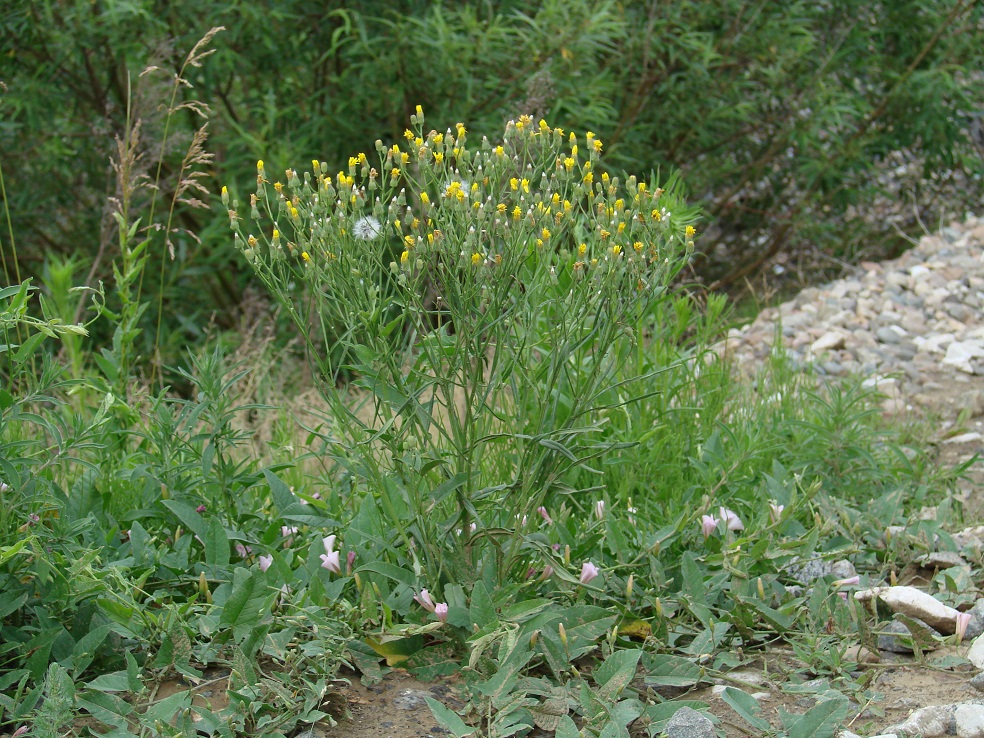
{"type": "Point", "coordinates": [513, 184]}
{"type": "Point", "coordinates": [404, 257]}
{"type": "Point", "coordinates": [476, 258]}
{"type": "Point", "coordinates": [438, 156]}
{"type": "Point", "coordinates": [306, 257]}
{"type": "Point", "coordinates": [637, 245]}
{"type": "Point", "coordinates": [582, 249]}
{"type": "Point", "coordinates": [690, 231]}
{"type": "Point", "coordinates": [501, 207]}
{"type": "Point", "coordinates": [517, 213]}
{"type": "Point", "coordinates": [656, 214]}
{"type": "Point", "coordinates": [408, 240]}
{"type": "Point", "coordinates": [408, 135]}
{"type": "Point", "coordinates": [616, 250]}
{"type": "Point", "coordinates": [499, 151]}
{"type": "Point", "coordinates": [424, 198]}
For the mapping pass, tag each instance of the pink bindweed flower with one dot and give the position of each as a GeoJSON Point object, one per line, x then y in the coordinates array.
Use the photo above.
{"type": "Point", "coordinates": [731, 519]}
{"type": "Point", "coordinates": [709, 523]}
{"type": "Point", "coordinates": [842, 595]}
{"type": "Point", "coordinates": [265, 562]}
{"type": "Point", "coordinates": [775, 511]}
{"type": "Point", "coordinates": [288, 533]}
{"type": "Point", "coordinates": [588, 572]}
{"type": "Point", "coordinates": [316, 496]}
{"type": "Point", "coordinates": [4, 487]}
{"type": "Point", "coordinates": [547, 573]}
{"type": "Point", "coordinates": [848, 582]}
{"type": "Point", "coordinates": [599, 509]}
{"type": "Point", "coordinates": [424, 600]}
{"type": "Point", "coordinates": [441, 610]}
{"type": "Point", "coordinates": [330, 559]}
{"type": "Point", "coordinates": [244, 551]}
{"type": "Point", "coordinates": [544, 514]}
{"type": "Point", "coordinates": [963, 620]}
{"type": "Point", "coordinates": [530, 573]}
{"type": "Point", "coordinates": [349, 561]}
{"type": "Point", "coordinates": [200, 509]}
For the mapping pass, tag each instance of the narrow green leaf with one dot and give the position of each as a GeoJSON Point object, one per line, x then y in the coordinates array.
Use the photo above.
{"type": "Point", "coordinates": [449, 719]}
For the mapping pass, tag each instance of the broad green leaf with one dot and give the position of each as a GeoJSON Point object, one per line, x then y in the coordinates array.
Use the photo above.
{"type": "Point", "coordinates": [396, 573]}
{"type": "Point", "coordinates": [191, 519]}
{"type": "Point", "coordinates": [216, 544]}
{"type": "Point", "coordinates": [746, 706]}
{"type": "Point", "coordinates": [449, 719]}
{"type": "Point", "coordinates": [482, 610]}
{"type": "Point", "coordinates": [666, 670]}
{"type": "Point", "coordinates": [283, 498]}
{"type": "Point", "coordinates": [820, 721]}
{"type": "Point", "coordinates": [233, 612]}
{"type": "Point", "coordinates": [396, 649]}
{"type": "Point", "coordinates": [615, 674]}
{"type": "Point", "coordinates": [693, 587]}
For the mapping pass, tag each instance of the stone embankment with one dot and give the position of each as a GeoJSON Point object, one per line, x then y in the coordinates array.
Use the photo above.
{"type": "Point", "coordinates": [913, 326]}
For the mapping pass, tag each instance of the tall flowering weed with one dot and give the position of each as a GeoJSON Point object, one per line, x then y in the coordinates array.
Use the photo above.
{"type": "Point", "coordinates": [484, 298]}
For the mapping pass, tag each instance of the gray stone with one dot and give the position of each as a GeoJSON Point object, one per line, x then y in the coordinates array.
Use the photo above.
{"type": "Point", "coordinates": [895, 638]}
{"type": "Point", "coordinates": [890, 334]}
{"type": "Point", "coordinates": [688, 723]}
{"type": "Point", "coordinates": [411, 699]}
{"type": "Point", "coordinates": [976, 625]}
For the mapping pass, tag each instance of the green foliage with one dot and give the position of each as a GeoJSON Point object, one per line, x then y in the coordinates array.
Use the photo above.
{"type": "Point", "coordinates": [803, 128]}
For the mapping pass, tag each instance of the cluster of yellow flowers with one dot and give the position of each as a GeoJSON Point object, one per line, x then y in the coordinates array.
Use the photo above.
{"type": "Point", "coordinates": [533, 198]}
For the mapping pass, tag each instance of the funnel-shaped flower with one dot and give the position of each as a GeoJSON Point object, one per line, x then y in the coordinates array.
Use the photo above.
{"type": "Point", "coordinates": [544, 514]}
{"type": "Point", "coordinates": [963, 620]}
{"type": "Point", "coordinates": [599, 509]}
{"type": "Point", "coordinates": [775, 511]}
{"type": "Point", "coordinates": [265, 562]}
{"type": "Point", "coordinates": [441, 610]}
{"type": "Point", "coordinates": [330, 558]}
{"type": "Point", "coordinates": [588, 572]}
{"type": "Point", "coordinates": [424, 600]}
{"type": "Point", "coordinates": [709, 523]}
{"type": "Point", "coordinates": [731, 519]}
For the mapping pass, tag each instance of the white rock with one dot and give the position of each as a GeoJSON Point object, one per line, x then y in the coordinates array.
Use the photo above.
{"type": "Point", "coordinates": [916, 604]}
{"type": "Point", "coordinates": [959, 354]}
{"type": "Point", "coordinates": [965, 438]}
{"type": "Point", "coordinates": [976, 653]}
{"type": "Point", "coordinates": [935, 344]}
{"type": "Point", "coordinates": [828, 342]}
{"type": "Point", "coordinates": [928, 722]}
{"type": "Point", "coordinates": [970, 720]}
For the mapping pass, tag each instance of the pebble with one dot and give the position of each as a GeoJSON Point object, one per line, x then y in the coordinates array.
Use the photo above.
{"type": "Point", "coordinates": [689, 723]}
{"type": "Point", "coordinates": [919, 318]}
